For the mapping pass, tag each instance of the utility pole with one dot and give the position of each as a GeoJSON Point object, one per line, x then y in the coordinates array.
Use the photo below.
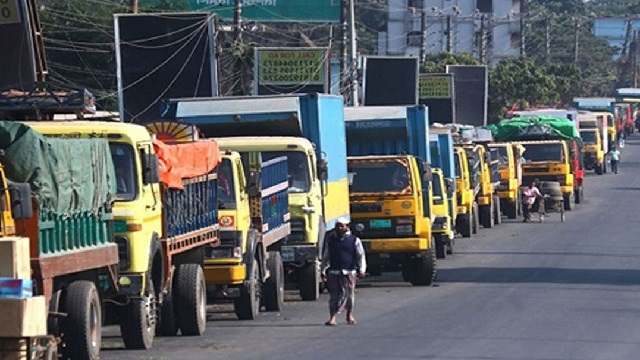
{"type": "Point", "coordinates": [547, 34]}
{"type": "Point", "coordinates": [423, 29]}
{"type": "Point", "coordinates": [576, 40]}
{"type": "Point", "coordinates": [523, 35]}
{"type": "Point", "coordinates": [482, 56]}
{"type": "Point", "coordinates": [238, 88]}
{"type": "Point", "coordinates": [353, 54]}
{"type": "Point", "coordinates": [134, 6]}
{"type": "Point", "coordinates": [449, 35]}
{"type": "Point", "coordinates": [344, 55]}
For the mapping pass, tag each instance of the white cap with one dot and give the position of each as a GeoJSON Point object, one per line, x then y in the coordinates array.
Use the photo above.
{"type": "Point", "coordinates": [343, 220]}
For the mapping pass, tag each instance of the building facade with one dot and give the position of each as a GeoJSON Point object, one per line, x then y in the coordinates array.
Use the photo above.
{"type": "Point", "coordinates": [486, 29]}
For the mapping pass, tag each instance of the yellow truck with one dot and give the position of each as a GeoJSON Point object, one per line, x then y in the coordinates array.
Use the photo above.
{"type": "Point", "coordinates": [442, 226]}
{"type": "Point", "coordinates": [509, 164]}
{"type": "Point", "coordinates": [161, 248]}
{"type": "Point", "coordinates": [390, 189]}
{"type": "Point", "coordinates": [593, 150]}
{"type": "Point", "coordinates": [467, 219]}
{"type": "Point", "coordinates": [483, 182]}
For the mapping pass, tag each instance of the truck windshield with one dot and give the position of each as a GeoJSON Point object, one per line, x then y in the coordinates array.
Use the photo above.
{"type": "Point", "coordinates": [226, 189]}
{"type": "Point", "coordinates": [379, 177]}
{"type": "Point", "coordinates": [299, 174]}
{"type": "Point", "coordinates": [456, 164]}
{"type": "Point", "coordinates": [609, 121]}
{"type": "Point", "coordinates": [124, 163]}
{"type": "Point", "coordinates": [503, 156]}
{"type": "Point", "coordinates": [436, 187]}
{"type": "Point", "coordinates": [589, 137]}
{"type": "Point", "coordinates": [543, 152]}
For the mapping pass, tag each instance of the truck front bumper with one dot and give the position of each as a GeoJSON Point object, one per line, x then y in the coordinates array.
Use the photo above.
{"type": "Point", "coordinates": [130, 284]}
{"type": "Point", "coordinates": [396, 245]}
{"type": "Point", "coordinates": [225, 274]}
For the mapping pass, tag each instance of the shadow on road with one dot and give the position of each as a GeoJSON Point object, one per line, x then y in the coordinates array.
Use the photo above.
{"type": "Point", "coordinates": [541, 275]}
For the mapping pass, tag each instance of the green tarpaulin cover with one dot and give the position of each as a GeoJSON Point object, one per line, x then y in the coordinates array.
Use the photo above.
{"type": "Point", "coordinates": [534, 127]}
{"type": "Point", "coordinates": [67, 176]}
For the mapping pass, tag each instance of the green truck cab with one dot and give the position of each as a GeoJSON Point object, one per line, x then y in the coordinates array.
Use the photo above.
{"type": "Point", "coordinates": [247, 267]}
{"type": "Point", "coordinates": [391, 211]}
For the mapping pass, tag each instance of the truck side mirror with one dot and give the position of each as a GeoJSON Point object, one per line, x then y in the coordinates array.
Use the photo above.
{"type": "Point", "coordinates": [254, 183]}
{"type": "Point", "coordinates": [150, 169]}
{"type": "Point", "coordinates": [323, 169]}
{"type": "Point", "coordinates": [20, 194]}
{"type": "Point", "coordinates": [448, 183]}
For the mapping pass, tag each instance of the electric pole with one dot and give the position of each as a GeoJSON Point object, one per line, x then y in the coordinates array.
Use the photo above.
{"type": "Point", "coordinates": [547, 34]}
{"type": "Point", "coordinates": [353, 54]}
{"type": "Point", "coordinates": [344, 55]}
{"type": "Point", "coordinates": [449, 35]}
{"type": "Point", "coordinates": [423, 29]}
{"type": "Point", "coordinates": [576, 41]}
{"type": "Point", "coordinates": [134, 6]}
{"type": "Point", "coordinates": [237, 86]}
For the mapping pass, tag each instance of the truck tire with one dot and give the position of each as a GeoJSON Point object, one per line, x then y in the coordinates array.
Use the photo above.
{"type": "Point", "coordinates": [497, 211]}
{"type": "Point", "coordinates": [486, 216]}
{"type": "Point", "coordinates": [308, 276]}
{"type": "Point", "coordinates": [191, 299]}
{"type": "Point", "coordinates": [579, 195]}
{"type": "Point", "coordinates": [424, 268]}
{"type": "Point", "coordinates": [247, 306]}
{"type": "Point", "coordinates": [465, 225]}
{"type": "Point", "coordinates": [168, 321]}
{"type": "Point", "coordinates": [83, 324]}
{"type": "Point", "coordinates": [598, 169]}
{"type": "Point", "coordinates": [475, 215]}
{"type": "Point", "coordinates": [273, 288]}
{"type": "Point", "coordinates": [604, 166]}
{"type": "Point", "coordinates": [138, 321]}
{"type": "Point", "coordinates": [569, 201]}
{"type": "Point", "coordinates": [441, 246]}
{"type": "Point", "coordinates": [511, 209]}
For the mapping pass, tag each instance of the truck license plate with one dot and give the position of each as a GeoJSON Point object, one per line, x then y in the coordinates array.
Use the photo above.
{"type": "Point", "coordinates": [380, 224]}
{"type": "Point", "coordinates": [288, 254]}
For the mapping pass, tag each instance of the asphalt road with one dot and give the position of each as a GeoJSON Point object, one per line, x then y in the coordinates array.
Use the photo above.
{"type": "Point", "coordinates": [530, 291]}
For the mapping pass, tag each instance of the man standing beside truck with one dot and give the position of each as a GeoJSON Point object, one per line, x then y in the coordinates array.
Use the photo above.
{"type": "Point", "coordinates": [343, 258]}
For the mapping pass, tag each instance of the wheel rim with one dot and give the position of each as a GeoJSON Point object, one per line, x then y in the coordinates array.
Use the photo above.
{"type": "Point", "coordinates": [149, 302]}
{"type": "Point", "coordinates": [202, 305]}
{"type": "Point", "coordinates": [94, 324]}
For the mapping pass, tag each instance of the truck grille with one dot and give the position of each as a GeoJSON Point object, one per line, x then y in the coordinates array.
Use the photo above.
{"type": "Point", "coordinates": [366, 208]}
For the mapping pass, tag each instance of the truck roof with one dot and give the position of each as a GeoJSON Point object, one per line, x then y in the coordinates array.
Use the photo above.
{"type": "Point", "coordinates": [265, 143]}
{"type": "Point", "coordinates": [91, 128]}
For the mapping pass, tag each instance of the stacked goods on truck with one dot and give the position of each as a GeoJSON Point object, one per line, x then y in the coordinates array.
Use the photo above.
{"type": "Point", "coordinates": [390, 190]}
{"type": "Point", "coordinates": [253, 206]}
{"type": "Point", "coordinates": [553, 152]}
{"type": "Point", "coordinates": [307, 129]}
{"type": "Point", "coordinates": [445, 206]}
{"type": "Point", "coordinates": [165, 216]}
{"type": "Point", "coordinates": [66, 264]}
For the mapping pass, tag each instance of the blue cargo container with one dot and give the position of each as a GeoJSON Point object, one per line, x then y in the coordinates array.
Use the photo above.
{"type": "Point", "coordinates": [275, 198]}
{"type": "Point", "coordinates": [191, 209]}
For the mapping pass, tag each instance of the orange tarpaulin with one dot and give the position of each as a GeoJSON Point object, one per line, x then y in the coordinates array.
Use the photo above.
{"type": "Point", "coordinates": [186, 160]}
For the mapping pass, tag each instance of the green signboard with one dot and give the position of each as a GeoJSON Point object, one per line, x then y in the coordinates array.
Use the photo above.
{"type": "Point", "coordinates": [434, 87]}
{"type": "Point", "coordinates": [265, 10]}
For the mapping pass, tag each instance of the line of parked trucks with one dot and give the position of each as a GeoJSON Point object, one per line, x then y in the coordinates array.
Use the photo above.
{"type": "Point", "coordinates": [229, 200]}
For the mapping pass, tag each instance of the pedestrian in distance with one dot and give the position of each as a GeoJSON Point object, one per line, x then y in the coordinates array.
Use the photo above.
{"type": "Point", "coordinates": [531, 197]}
{"type": "Point", "coordinates": [614, 156]}
{"type": "Point", "coordinates": [343, 259]}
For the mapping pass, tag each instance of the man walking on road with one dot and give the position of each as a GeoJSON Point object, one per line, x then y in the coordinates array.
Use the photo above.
{"type": "Point", "coordinates": [343, 258]}
{"type": "Point", "coordinates": [614, 155]}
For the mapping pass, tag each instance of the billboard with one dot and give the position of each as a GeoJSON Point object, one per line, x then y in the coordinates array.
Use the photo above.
{"type": "Point", "coordinates": [291, 70]}
{"type": "Point", "coordinates": [390, 80]}
{"type": "Point", "coordinates": [265, 10]}
{"type": "Point", "coordinates": [163, 56]}
{"type": "Point", "coordinates": [471, 86]}
{"type": "Point", "coordinates": [437, 92]}
{"type": "Point", "coordinates": [17, 58]}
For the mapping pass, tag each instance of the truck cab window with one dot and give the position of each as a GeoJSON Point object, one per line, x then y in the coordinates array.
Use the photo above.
{"type": "Point", "coordinates": [298, 169]}
{"type": "Point", "coordinates": [226, 188]}
{"type": "Point", "coordinates": [123, 161]}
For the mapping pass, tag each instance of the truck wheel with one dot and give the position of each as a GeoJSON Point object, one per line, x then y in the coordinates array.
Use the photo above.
{"type": "Point", "coordinates": [569, 201]}
{"type": "Point", "coordinates": [247, 306]}
{"type": "Point", "coordinates": [441, 246]}
{"type": "Point", "coordinates": [604, 166]}
{"type": "Point", "coordinates": [83, 324]}
{"type": "Point", "coordinates": [598, 169]}
{"type": "Point", "coordinates": [497, 212]}
{"type": "Point", "coordinates": [511, 209]}
{"type": "Point", "coordinates": [138, 321]}
{"type": "Point", "coordinates": [308, 276]}
{"type": "Point", "coordinates": [486, 216]}
{"type": "Point", "coordinates": [424, 268]}
{"type": "Point", "coordinates": [273, 288]}
{"type": "Point", "coordinates": [475, 215]}
{"type": "Point", "coordinates": [168, 321]}
{"type": "Point", "coordinates": [191, 300]}
{"type": "Point", "coordinates": [465, 225]}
